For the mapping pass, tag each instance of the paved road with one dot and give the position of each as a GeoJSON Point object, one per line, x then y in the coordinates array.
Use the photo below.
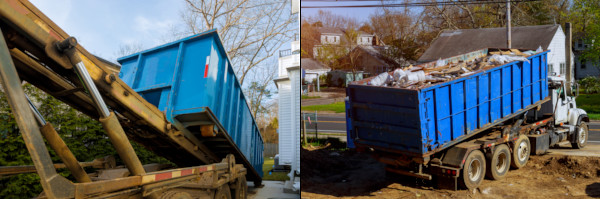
{"type": "Point", "coordinates": [335, 126]}
{"type": "Point", "coordinates": [594, 137]}
{"type": "Point", "coordinates": [328, 126]}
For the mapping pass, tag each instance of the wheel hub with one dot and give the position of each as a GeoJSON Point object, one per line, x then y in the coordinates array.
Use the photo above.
{"type": "Point", "coordinates": [474, 170]}
{"type": "Point", "coordinates": [522, 151]}
{"type": "Point", "coordinates": [501, 165]}
{"type": "Point", "coordinates": [582, 135]}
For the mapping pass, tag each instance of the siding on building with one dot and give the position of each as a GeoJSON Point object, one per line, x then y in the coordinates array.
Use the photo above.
{"type": "Point", "coordinates": [590, 69]}
{"type": "Point", "coordinates": [285, 122]}
{"type": "Point", "coordinates": [295, 135]}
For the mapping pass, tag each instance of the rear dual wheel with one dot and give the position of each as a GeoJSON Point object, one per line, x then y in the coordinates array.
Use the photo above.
{"type": "Point", "coordinates": [520, 154]}
{"type": "Point", "coordinates": [498, 162]}
{"type": "Point", "coordinates": [222, 192]}
{"type": "Point", "coordinates": [473, 171]}
{"type": "Point", "coordinates": [241, 188]}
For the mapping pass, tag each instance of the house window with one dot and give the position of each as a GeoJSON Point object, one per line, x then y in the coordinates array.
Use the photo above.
{"type": "Point", "coordinates": [582, 64]}
{"type": "Point", "coordinates": [550, 68]}
{"type": "Point", "coordinates": [580, 43]}
{"type": "Point", "coordinates": [562, 68]}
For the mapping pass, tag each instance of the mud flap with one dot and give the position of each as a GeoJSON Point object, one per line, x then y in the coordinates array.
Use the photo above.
{"type": "Point", "coordinates": [446, 182]}
{"type": "Point", "coordinates": [445, 177]}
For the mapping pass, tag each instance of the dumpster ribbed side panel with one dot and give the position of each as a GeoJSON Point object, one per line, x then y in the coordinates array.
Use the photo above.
{"type": "Point", "coordinates": [457, 108]}
{"type": "Point", "coordinates": [436, 117]}
{"type": "Point", "coordinates": [386, 117]}
{"type": "Point", "coordinates": [193, 83]}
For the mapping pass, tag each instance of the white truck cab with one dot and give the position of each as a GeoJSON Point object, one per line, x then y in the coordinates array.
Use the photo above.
{"type": "Point", "coordinates": [567, 117]}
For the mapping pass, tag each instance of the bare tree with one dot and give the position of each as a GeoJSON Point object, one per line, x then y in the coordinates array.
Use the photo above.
{"type": "Point", "coordinates": [128, 49]}
{"type": "Point", "coordinates": [261, 88]}
{"type": "Point", "coordinates": [251, 30]}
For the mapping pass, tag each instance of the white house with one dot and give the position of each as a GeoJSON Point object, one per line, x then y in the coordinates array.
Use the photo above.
{"type": "Point", "coordinates": [583, 67]}
{"type": "Point", "coordinates": [312, 69]}
{"type": "Point", "coordinates": [337, 38]}
{"type": "Point", "coordinates": [288, 84]}
{"type": "Point", "coordinates": [549, 37]}
{"type": "Point", "coordinates": [365, 39]}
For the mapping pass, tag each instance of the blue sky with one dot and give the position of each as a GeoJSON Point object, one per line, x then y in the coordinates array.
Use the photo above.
{"type": "Point", "coordinates": [360, 14]}
{"type": "Point", "coordinates": [102, 26]}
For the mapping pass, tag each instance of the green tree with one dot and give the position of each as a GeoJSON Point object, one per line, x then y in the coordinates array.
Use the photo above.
{"type": "Point", "coordinates": [83, 135]}
{"type": "Point", "coordinates": [585, 15]}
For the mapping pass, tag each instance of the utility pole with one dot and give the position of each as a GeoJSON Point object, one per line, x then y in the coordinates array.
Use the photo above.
{"type": "Point", "coordinates": [508, 24]}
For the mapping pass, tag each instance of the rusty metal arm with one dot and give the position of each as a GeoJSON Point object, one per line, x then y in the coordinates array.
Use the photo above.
{"type": "Point", "coordinates": [59, 146]}
{"type": "Point", "coordinates": [56, 185]}
{"type": "Point", "coordinates": [44, 34]}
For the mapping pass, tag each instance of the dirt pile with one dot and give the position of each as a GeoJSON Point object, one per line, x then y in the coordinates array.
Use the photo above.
{"type": "Point", "coordinates": [332, 174]}
{"type": "Point", "coordinates": [338, 173]}
{"type": "Point", "coordinates": [587, 167]}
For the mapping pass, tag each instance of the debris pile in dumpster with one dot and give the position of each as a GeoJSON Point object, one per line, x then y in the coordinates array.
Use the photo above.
{"type": "Point", "coordinates": [415, 77]}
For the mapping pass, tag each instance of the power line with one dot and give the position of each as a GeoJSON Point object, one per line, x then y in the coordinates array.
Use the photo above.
{"type": "Point", "coordinates": [438, 3]}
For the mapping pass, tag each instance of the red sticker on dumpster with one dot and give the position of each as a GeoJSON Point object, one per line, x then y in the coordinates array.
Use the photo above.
{"type": "Point", "coordinates": [206, 67]}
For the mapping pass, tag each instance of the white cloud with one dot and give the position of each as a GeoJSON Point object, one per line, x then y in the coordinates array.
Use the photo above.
{"type": "Point", "coordinates": [145, 25]}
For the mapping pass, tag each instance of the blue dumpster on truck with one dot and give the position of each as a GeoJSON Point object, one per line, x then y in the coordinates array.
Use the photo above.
{"type": "Point", "coordinates": [442, 130]}
{"type": "Point", "coordinates": [423, 121]}
{"type": "Point", "coordinates": [192, 81]}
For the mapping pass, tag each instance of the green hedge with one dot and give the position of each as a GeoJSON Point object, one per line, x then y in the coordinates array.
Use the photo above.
{"type": "Point", "coordinates": [82, 134]}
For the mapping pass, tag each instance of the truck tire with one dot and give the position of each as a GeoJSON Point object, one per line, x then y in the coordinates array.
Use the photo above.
{"type": "Point", "coordinates": [473, 170]}
{"type": "Point", "coordinates": [222, 192]}
{"type": "Point", "coordinates": [240, 189]}
{"type": "Point", "coordinates": [582, 136]}
{"type": "Point", "coordinates": [498, 162]}
{"type": "Point", "coordinates": [520, 154]}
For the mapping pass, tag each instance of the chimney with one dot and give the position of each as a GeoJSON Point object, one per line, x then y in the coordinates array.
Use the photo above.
{"type": "Point", "coordinates": [569, 68]}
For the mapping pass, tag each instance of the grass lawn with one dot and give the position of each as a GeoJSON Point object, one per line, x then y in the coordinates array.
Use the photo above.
{"type": "Point", "coordinates": [338, 107]}
{"type": "Point", "coordinates": [591, 104]}
{"type": "Point", "coordinates": [310, 97]}
{"type": "Point", "coordinates": [278, 176]}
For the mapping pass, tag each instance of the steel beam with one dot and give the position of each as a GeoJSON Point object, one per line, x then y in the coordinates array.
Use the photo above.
{"type": "Point", "coordinates": [61, 149]}
{"type": "Point", "coordinates": [55, 185]}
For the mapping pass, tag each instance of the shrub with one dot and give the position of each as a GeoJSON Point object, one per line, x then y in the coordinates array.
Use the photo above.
{"type": "Point", "coordinates": [590, 85]}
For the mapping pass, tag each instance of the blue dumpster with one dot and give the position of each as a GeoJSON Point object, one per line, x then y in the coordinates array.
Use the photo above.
{"type": "Point", "coordinates": [193, 83]}
{"type": "Point", "coordinates": [420, 122]}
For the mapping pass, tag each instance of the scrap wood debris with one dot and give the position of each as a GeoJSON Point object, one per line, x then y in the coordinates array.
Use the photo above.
{"type": "Point", "coordinates": [416, 77]}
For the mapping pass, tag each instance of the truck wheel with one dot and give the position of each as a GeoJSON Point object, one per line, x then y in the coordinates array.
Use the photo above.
{"type": "Point", "coordinates": [473, 171]}
{"type": "Point", "coordinates": [241, 188]}
{"type": "Point", "coordinates": [520, 154]}
{"type": "Point", "coordinates": [222, 192]}
{"type": "Point", "coordinates": [499, 163]}
{"type": "Point", "coordinates": [582, 136]}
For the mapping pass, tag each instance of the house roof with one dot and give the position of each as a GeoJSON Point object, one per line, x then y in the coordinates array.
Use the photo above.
{"type": "Point", "coordinates": [311, 64]}
{"type": "Point", "coordinates": [330, 30]}
{"type": "Point", "coordinates": [455, 42]}
{"type": "Point", "coordinates": [378, 52]}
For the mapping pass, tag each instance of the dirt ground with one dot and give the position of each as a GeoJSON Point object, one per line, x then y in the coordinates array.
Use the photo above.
{"type": "Point", "coordinates": [347, 174]}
